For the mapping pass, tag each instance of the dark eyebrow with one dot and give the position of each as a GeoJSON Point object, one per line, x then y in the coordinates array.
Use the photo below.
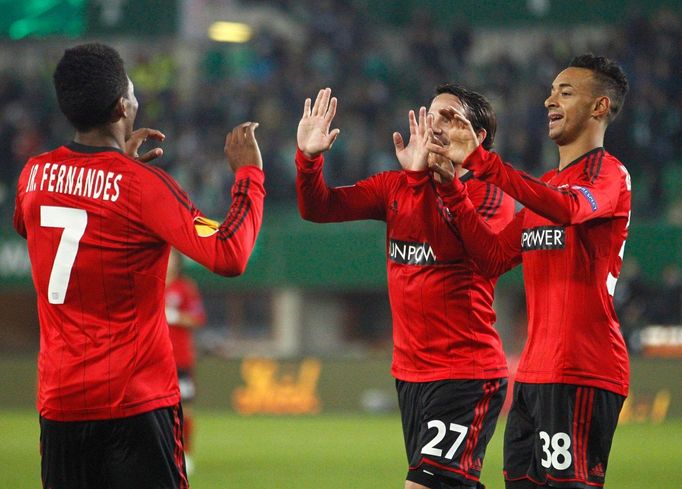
{"type": "Point", "coordinates": [561, 85]}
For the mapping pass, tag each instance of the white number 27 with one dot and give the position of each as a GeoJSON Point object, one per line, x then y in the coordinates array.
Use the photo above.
{"type": "Point", "coordinates": [430, 448]}
{"type": "Point", "coordinates": [73, 221]}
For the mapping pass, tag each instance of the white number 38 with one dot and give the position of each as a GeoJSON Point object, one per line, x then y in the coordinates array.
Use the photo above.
{"type": "Point", "coordinates": [555, 450]}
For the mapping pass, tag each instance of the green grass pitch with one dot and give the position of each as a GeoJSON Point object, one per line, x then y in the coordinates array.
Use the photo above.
{"type": "Point", "coordinates": [337, 451]}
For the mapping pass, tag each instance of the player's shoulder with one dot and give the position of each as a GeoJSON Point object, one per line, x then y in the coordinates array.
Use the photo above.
{"type": "Point", "coordinates": [147, 172]}
{"type": "Point", "coordinates": [386, 179]}
{"type": "Point", "coordinates": [599, 160]}
{"type": "Point", "coordinates": [602, 165]}
{"type": "Point", "coordinates": [157, 183]}
{"type": "Point", "coordinates": [389, 175]}
{"type": "Point", "coordinates": [613, 161]}
{"type": "Point", "coordinates": [52, 155]}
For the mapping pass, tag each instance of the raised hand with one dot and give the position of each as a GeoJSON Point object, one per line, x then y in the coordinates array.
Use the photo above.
{"type": "Point", "coordinates": [313, 136]}
{"type": "Point", "coordinates": [241, 147]}
{"type": "Point", "coordinates": [413, 156]}
{"type": "Point", "coordinates": [139, 136]}
{"type": "Point", "coordinates": [462, 139]}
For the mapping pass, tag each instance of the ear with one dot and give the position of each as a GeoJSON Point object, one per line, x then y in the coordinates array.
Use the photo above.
{"type": "Point", "coordinates": [481, 135]}
{"type": "Point", "coordinates": [601, 107]}
{"type": "Point", "coordinates": [120, 110]}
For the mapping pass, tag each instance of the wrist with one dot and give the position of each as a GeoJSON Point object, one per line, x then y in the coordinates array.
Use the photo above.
{"type": "Point", "coordinates": [452, 190]}
{"type": "Point", "coordinates": [304, 161]}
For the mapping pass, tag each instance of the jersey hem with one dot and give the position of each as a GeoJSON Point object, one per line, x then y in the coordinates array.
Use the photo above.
{"type": "Point", "coordinates": [608, 385]}
{"type": "Point", "coordinates": [433, 376]}
{"type": "Point", "coordinates": [108, 413]}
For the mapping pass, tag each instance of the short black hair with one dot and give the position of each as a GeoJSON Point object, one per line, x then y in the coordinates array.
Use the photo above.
{"type": "Point", "coordinates": [610, 79]}
{"type": "Point", "coordinates": [89, 80]}
{"type": "Point", "coordinates": [478, 110]}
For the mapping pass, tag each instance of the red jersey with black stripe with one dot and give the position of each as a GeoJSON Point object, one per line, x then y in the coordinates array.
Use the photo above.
{"type": "Point", "coordinates": [570, 239]}
{"type": "Point", "coordinates": [443, 319]}
{"type": "Point", "coordinates": [99, 226]}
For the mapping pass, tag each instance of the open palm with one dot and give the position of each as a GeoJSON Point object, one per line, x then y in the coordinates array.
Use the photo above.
{"type": "Point", "coordinates": [413, 156]}
{"type": "Point", "coordinates": [313, 135]}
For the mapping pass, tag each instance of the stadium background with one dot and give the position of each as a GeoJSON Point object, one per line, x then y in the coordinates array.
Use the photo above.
{"type": "Point", "coordinates": [300, 345]}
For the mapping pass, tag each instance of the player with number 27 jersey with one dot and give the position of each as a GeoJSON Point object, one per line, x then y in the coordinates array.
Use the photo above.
{"type": "Point", "coordinates": [99, 225]}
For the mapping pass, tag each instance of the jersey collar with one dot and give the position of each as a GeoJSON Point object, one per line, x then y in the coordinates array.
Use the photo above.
{"type": "Point", "coordinates": [581, 158]}
{"type": "Point", "coordinates": [83, 148]}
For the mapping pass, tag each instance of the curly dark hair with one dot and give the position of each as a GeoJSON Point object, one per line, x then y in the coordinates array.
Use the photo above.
{"type": "Point", "coordinates": [89, 80]}
{"type": "Point", "coordinates": [478, 110]}
{"type": "Point", "coordinates": [610, 79]}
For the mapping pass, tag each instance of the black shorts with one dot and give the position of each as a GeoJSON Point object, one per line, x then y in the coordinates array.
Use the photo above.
{"type": "Point", "coordinates": [447, 425]}
{"type": "Point", "coordinates": [143, 451]}
{"type": "Point", "coordinates": [559, 435]}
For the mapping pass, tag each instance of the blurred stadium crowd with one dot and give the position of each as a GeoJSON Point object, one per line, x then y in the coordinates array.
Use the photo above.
{"type": "Point", "coordinates": [378, 72]}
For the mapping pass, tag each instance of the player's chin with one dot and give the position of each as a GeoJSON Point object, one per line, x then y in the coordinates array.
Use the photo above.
{"type": "Point", "coordinates": [554, 135]}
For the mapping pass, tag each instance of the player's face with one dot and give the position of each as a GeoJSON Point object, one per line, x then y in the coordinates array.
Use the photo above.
{"type": "Point", "coordinates": [131, 109]}
{"type": "Point", "coordinates": [442, 125]}
{"type": "Point", "coordinates": [570, 105]}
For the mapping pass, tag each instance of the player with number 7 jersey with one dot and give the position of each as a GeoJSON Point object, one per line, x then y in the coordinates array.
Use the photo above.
{"type": "Point", "coordinates": [98, 225]}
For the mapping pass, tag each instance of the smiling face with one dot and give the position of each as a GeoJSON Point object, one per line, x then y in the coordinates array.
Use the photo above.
{"type": "Point", "coordinates": [571, 105]}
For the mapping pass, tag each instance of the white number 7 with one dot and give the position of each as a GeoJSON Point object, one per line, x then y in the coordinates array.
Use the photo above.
{"type": "Point", "coordinates": [73, 221]}
{"type": "Point", "coordinates": [430, 448]}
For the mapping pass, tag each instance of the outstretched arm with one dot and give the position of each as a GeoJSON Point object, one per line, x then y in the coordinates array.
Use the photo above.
{"type": "Point", "coordinates": [594, 196]}
{"type": "Point", "coordinates": [316, 201]}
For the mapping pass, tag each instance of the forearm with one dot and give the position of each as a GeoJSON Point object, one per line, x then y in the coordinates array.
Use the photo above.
{"type": "Point", "coordinates": [319, 203]}
{"type": "Point", "coordinates": [223, 248]}
{"type": "Point", "coordinates": [560, 205]}
{"type": "Point", "coordinates": [491, 255]}
{"type": "Point", "coordinates": [237, 235]}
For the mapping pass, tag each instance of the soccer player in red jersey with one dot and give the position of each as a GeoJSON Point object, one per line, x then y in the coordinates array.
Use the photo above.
{"type": "Point", "coordinates": [184, 313]}
{"type": "Point", "coordinates": [448, 360]}
{"type": "Point", "coordinates": [99, 225]}
{"type": "Point", "coordinates": [573, 374]}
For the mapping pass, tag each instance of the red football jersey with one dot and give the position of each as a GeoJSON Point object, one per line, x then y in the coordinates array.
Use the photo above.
{"type": "Point", "coordinates": [99, 226]}
{"type": "Point", "coordinates": [442, 307]}
{"type": "Point", "coordinates": [183, 296]}
{"type": "Point", "coordinates": [571, 239]}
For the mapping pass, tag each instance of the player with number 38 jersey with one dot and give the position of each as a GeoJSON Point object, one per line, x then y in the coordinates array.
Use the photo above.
{"type": "Point", "coordinates": [573, 374]}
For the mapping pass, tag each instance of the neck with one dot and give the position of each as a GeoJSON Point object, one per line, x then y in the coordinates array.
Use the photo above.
{"type": "Point", "coordinates": [568, 153]}
{"type": "Point", "coordinates": [101, 136]}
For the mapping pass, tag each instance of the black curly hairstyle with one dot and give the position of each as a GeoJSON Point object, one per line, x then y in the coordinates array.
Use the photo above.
{"type": "Point", "coordinates": [89, 80]}
{"type": "Point", "coordinates": [478, 110]}
{"type": "Point", "coordinates": [610, 79]}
